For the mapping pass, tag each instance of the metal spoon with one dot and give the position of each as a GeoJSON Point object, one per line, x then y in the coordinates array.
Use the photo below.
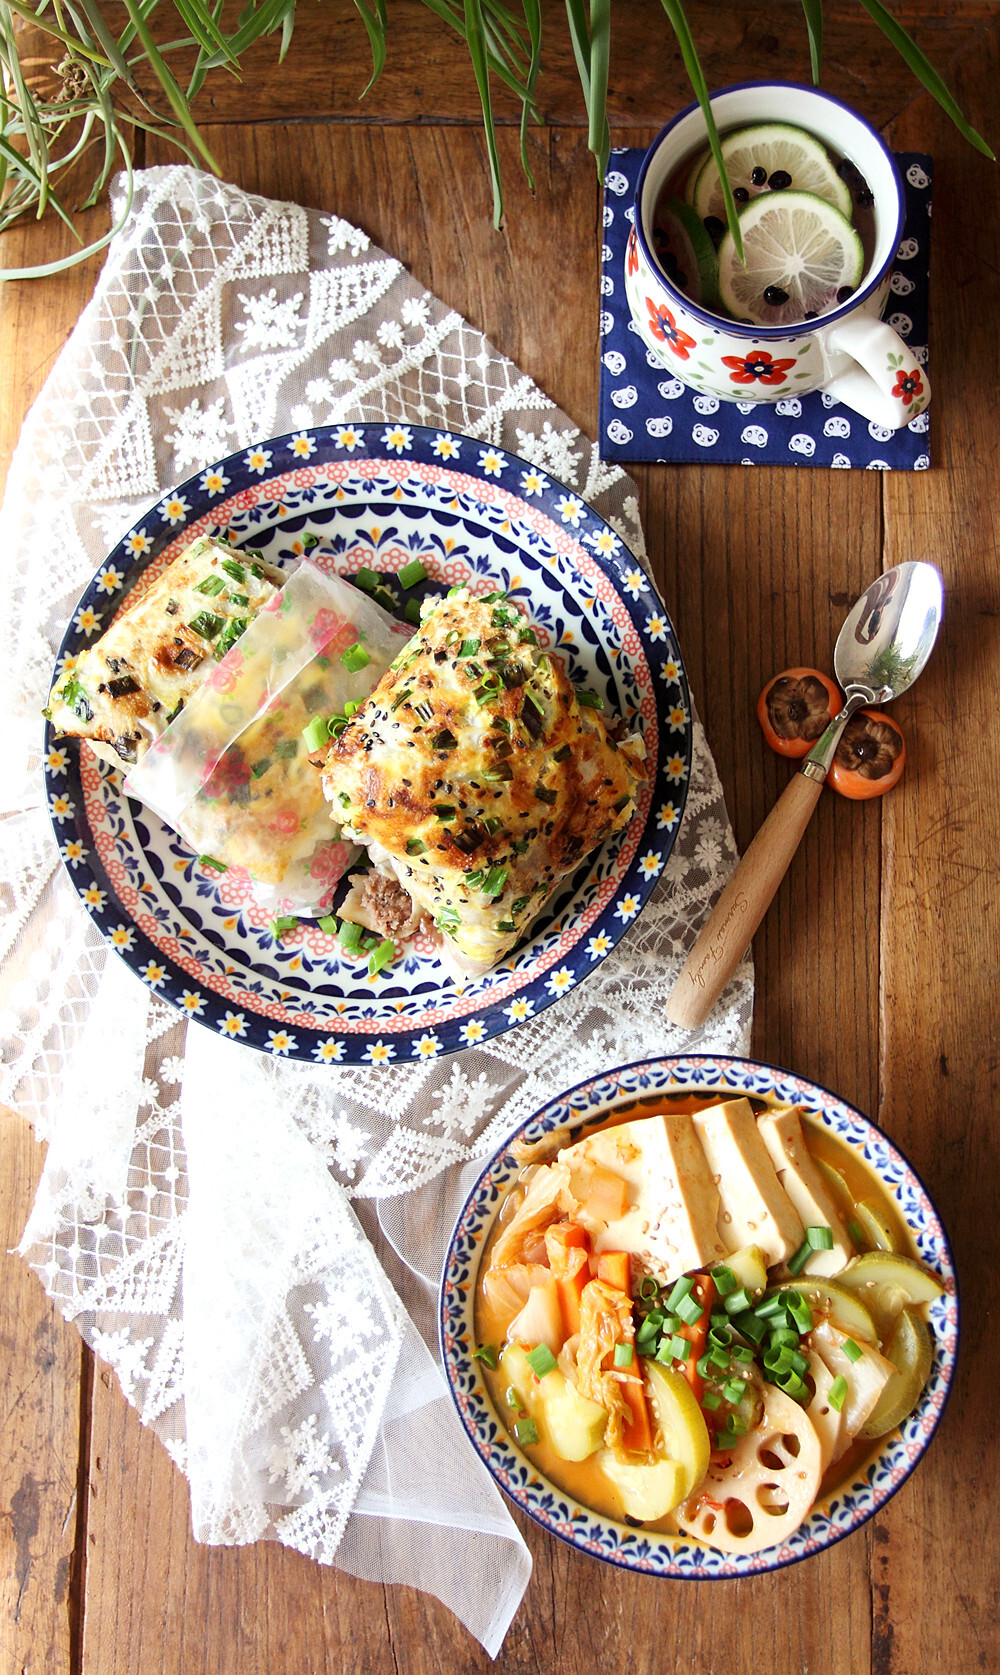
{"type": "Point", "coordinates": [880, 651]}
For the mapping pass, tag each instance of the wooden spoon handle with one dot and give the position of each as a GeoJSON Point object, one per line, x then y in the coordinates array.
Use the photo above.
{"type": "Point", "coordinates": [741, 907]}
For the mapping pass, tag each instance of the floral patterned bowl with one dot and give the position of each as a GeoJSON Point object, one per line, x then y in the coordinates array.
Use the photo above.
{"type": "Point", "coordinates": [358, 495]}
{"type": "Point", "coordinates": [852, 1504]}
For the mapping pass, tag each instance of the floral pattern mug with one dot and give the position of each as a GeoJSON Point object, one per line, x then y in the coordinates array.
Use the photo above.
{"type": "Point", "coordinates": [850, 352]}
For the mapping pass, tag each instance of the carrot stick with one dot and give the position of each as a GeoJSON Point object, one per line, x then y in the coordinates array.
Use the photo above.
{"type": "Point", "coordinates": [703, 1292]}
{"type": "Point", "coordinates": [614, 1268]}
{"type": "Point", "coordinates": [637, 1434]}
{"type": "Point", "coordinates": [567, 1246]}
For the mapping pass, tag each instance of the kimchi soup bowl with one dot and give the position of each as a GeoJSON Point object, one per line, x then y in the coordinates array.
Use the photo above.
{"type": "Point", "coordinates": [566, 1498]}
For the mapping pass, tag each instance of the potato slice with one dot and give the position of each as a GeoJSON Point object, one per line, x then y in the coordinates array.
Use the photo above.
{"type": "Point", "coordinates": [886, 1283]}
{"type": "Point", "coordinates": [833, 1299]}
{"type": "Point", "coordinates": [749, 1266]}
{"type": "Point", "coordinates": [647, 1492]}
{"type": "Point", "coordinates": [572, 1424]}
{"type": "Point", "coordinates": [681, 1422]}
{"type": "Point", "coordinates": [911, 1351]}
{"type": "Point", "coordinates": [762, 1496]}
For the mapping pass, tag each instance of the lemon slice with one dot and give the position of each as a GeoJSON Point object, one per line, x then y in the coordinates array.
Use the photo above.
{"type": "Point", "coordinates": [688, 255]}
{"type": "Point", "coordinates": [802, 257]}
{"type": "Point", "coordinates": [767, 157]}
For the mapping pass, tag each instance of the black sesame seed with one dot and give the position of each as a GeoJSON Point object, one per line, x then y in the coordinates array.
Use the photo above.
{"type": "Point", "coordinates": [775, 295]}
{"type": "Point", "coordinates": [740, 194]}
{"type": "Point", "coordinates": [758, 175]}
{"type": "Point", "coordinates": [713, 226]}
{"type": "Point", "coordinates": [779, 180]}
{"type": "Point", "coordinates": [865, 196]}
{"type": "Point", "coordinates": [845, 292]}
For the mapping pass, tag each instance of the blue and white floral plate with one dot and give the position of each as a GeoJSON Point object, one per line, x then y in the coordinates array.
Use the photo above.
{"type": "Point", "coordinates": [379, 496]}
{"type": "Point", "coordinates": [634, 1549]}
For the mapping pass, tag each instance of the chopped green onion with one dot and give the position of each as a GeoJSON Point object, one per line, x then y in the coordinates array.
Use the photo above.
{"type": "Point", "coordinates": [309, 541]}
{"type": "Point", "coordinates": [726, 1440]}
{"type": "Point", "coordinates": [496, 878]}
{"type": "Point", "coordinates": [401, 697]}
{"type": "Point", "coordinates": [316, 734]}
{"type": "Point", "coordinates": [212, 586]}
{"type": "Point", "coordinates": [542, 1360]}
{"type": "Point", "coordinates": [506, 925]}
{"type": "Point", "coordinates": [738, 1301]}
{"type": "Point", "coordinates": [260, 768]}
{"type": "Point", "coordinates": [680, 1348]}
{"type": "Point", "coordinates": [590, 700]}
{"type": "Point", "coordinates": [852, 1350]}
{"type": "Point", "coordinates": [682, 1288]}
{"type": "Point", "coordinates": [370, 942]}
{"type": "Point", "coordinates": [355, 657]}
{"type": "Point", "coordinates": [468, 648]}
{"type": "Point", "coordinates": [453, 590]}
{"type": "Point", "coordinates": [741, 1353]}
{"type": "Point", "coordinates": [719, 1359]}
{"type": "Point", "coordinates": [720, 1337]}
{"type": "Point", "coordinates": [793, 1386]}
{"type": "Point", "coordinates": [690, 1310]}
{"type": "Point", "coordinates": [487, 1354]}
{"type": "Point", "coordinates": [411, 574]}
{"type": "Point", "coordinates": [328, 924]}
{"type": "Point", "coordinates": [797, 1262]}
{"type": "Point", "coordinates": [562, 753]}
{"type": "Point", "coordinates": [837, 1393]}
{"type": "Point", "coordinates": [624, 1355]}
{"type": "Point", "coordinates": [381, 956]}
{"type": "Point", "coordinates": [703, 1366]}
{"type": "Point", "coordinates": [206, 624]}
{"type": "Point", "coordinates": [513, 1399]}
{"type": "Point", "coordinates": [493, 823]}
{"type": "Point", "coordinates": [648, 1288]}
{"type": "Point", "coordinates": [350, 936]}
{"type": "Point", "coordinates": [367, 580]}
{"type": "Point", "coordinates": [287, 922]}
{"type": "Point", "coordinates": [415, 846]}
{"type": "Point", "coordinates": [285, 749]}
{"type": "Point", "coordinates": [775, 1304]}
{"type": "Point", "coordinates": [235, 570]}
{"type": "Point", "coordinates": [800, 1312]}
{"type": "Point", "coordinates": [749, 1326]}
{"type": "Point", "coordinates": [488, 598]}
{"type": "Point", "coordinates": [819, 1238]}
{"type": "Point", "coordinates": [526, 1432]}
{"type": "Point", "coordinates": [725, 1280]}
{"type": "Point", "coordinates": [530, 696]}
{"type": "Point", "coordinates": [444, 811]}
{"type": "Point", "coordinates": [784, 1337]}
{"type": "Point", "coordinates": [241, 599]}
{"type": "Point", "coordinates": [664, 1351]}
{"type": "Point", "coordinates": [528, 637]}
{"type": "Point", "coordinates": [734, 1390]}
{"type": "Point", "coordinates": [210, 861]}
{"type": "Point", "coordinates": [711, 1399]}
{"type": "Point", "coordinates": [545, 794]}
{"type": "Point", "coordinates": [412, 611]}
{"type": "Point", "coordinates": [447, 919]}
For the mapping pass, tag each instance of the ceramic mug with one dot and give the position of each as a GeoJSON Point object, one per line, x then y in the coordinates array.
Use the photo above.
{"type": "Point", "coordinates": [849, 352]}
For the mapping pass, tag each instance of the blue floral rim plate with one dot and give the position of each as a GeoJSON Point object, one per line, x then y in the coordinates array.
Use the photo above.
{"type": "Point", "coordinates": [378, 496]}
{"type": "Point", "coordinates": [852, 1504]}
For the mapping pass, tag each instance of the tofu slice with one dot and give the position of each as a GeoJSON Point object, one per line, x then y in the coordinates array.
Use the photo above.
{"type": "Point", "coordinates": [754, 1209]}
{"type": "Point", "coordinates": [670, 1224]}
{"type": "Point", "coordinates": [781, 1132]}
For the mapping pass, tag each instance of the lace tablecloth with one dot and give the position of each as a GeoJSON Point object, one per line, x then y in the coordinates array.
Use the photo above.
{"type": "Point", "coordinates": [213, 1219]}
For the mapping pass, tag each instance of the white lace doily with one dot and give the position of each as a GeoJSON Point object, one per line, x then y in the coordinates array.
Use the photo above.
{"type": "Point", "coordinates": [194, 1216]}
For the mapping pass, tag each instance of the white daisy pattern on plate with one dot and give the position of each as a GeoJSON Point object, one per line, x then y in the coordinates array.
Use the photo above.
{"type": "Point", "coordinates": [193, 1003]}
{"type": "Point", "coordinates": [677, 718]}
{"type": "Point", "coordinates": [328, 1051]}
{"type": "Point", "coordinates": [154, 973]}
{"type": "Point", "coordinates": [427, 1047]}
{"type": "Point", "coordinates": [636, 583]}
{"type": "Point", "coordinates": [560, 981]}
{"type": "Point", "coordinates": [379, 1052]}
{"type": "Point", "coordinates": [73, 852]}
{"type": "Point", "coordinates": [123, 936]}
{"type": "Point", "coordinates": [446, 447]}
{"type": "Point", "coordinates": [627, 908]}
{"type": "Point", "coordinates": [518, 1010]}
{"type": "Point", "coordinates": [667, 817]}
{"type": "Point", "coordinates": [676, 769]}
{"type": "Point", "coordinates": [234, 1024]}
{"type": "Point", "coordinates": [532, 482]}
{"type": "Point", "coordinates": [258, 460]}
{"type": "Point", "coordinates": [657, 629]}
{"type": "Point", "coordinates": [280, 1043]}
{"type": "Point", "coordinates": [571, 510]}
{"type": "Point", "coordinates": [349, 437]}
{"type": "Point", "coordinates": [302, 445]}
{"type": "Point", "coordinates": [491, 462]}
{"type": "Point", "coordinates": [95, 898]}
{"type": "Point", "coordinates": [605, 541]}
{"type": "Point", "coordinates": [62, 808]}
{"type": "Point", "coordinates": [55, 761]}
{"type": "Point", "coordinates": [87, 621]}
{"type": "Point", "coordinates": [473, 1032]}
{"type": "Point", "coordinates": [670, 672]}
{"type": "Point", "coordinates": [136, 543]}
{"type": "Point", "coordinates": [109, 579]}
{"type": "Point", "coordinates": [397, 438]}
{"type": "Point", "coordinates": [598, 946]}
{"type": "Point", "coordinates": [652, 864]}
{"type": "Point", "coordinates": [215, 481]}
{"type": "Point", "coordinates": [174, 510]}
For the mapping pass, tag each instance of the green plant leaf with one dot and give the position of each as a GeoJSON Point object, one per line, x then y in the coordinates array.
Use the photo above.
{"type": "Point", "coordinates": [925, 72]}
{"type": "Point", "coordinates": [675, 12]}
{"type": "Point", "coordinates": [599, 134]}
{"type": "Point", "coordinates": [165, 76]}
{"type": "Point", "coordinates": [48, 268]}
{"type": "Point", "coordinates": [533, 18]}
{"type": "Point", "coordinates": [476, 37]}
{"type": "Point", "coordinates": [814, 23]}
{"type": "Point", "coordinates": [375, 25]}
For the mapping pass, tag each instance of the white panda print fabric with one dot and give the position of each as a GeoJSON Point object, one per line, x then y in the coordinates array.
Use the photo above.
{"type": "Point", "coordinates": [667, 420]}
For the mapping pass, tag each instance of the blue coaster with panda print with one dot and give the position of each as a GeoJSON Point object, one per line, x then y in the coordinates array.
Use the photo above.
{"type": "Point", "coordinates": [648, 415]}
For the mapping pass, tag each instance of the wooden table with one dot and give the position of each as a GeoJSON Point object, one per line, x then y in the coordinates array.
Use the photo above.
{"type": "Point", "coordinates": [875, 968]}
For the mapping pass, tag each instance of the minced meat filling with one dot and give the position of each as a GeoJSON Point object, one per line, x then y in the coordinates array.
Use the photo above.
{"type": "Point", "coordinates": [385, 905]}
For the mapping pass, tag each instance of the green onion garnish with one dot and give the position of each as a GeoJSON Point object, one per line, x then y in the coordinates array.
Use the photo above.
{"type": "Point", "coordinates": [367, 580]}
{"type": "Point", "coordinates": [741, 1353]}
{"type": "Point", "coordinates": [447, 919]}
{"type": "Point", "coordinates": [513, 1399]}
{"type": "Point", "coordinates": [720, 1337]}
{"type": "Point", "coordinates": [210, 861]}
{"type": "Point", "coordinates": [520, 846]}
{"type": "Point", "coordinates": [819, 1238]}
{"type": "Point", "coordinates": [711, 1399]}
{"type": "Point", "coordinates": [285, 749]}
{"type": "Point", "coordinates": [526, 1432]}
{"type": "Point", "coordinates": [725, 1280]}
{"type": "Point", "coordinates": [738, 1301]}
{"type": "Point", "coordinates": [411, 574]}
{"type": "Point", "coordinates": [797, 1262]}
{"type": "Point", "coordinates": [415, 846]}
{"type": "Point", "coordinates": [648, 1288]}
{"type": "Point", "coordinates": [663, 1353]}
{"type": "Point", "coordinates": [749, 1326]}
{"type": "Point", "coordinates": [328, 924]}
{"type": "Point", "coordinates": [493, 823]}
{"type": "Point", "coordinates": [852, 1350]}
{"type": "Point", "coordinates": [370, 942]}
{"type": "Point", "coordinates": [309, 541]}
{"type": "Point", "coordinates": [468, 648]}
{"type": "Point", "coordinates": [689, 1309]}
{"type": "Point", "coordinates": [775, 1304]}
{"type": "Point", "coordinates": [316, 734]}
{"type": "Point", "coordinates": [623, 1355]}
{"type": "Point", "coordinates": [258, 769]}
{"type": "Point", "coordinates": [412, 611]}
{"type": "Point", "coordinates": [837, 1393]}
{"type": "Point", "coordinates": [241, 599]}
{"type": "Point", "coordinates": [453, 590]}
{"type": "Point", "coordinates": [545, 794]}
{"type": "Point", "coordinates": [489, 598]}
{"type": "Point", "coordinates": [287, 922]}
{"type": "Point", "coordinates": [793, 1386]}
{"type": "Point", "coordinates": [212, 586]}
{"type": "Point", "coordinates": [487, 1354]}
{"type": "Point", "coordinates": [381, 956]}
{"type": "Point", "coordinates": [355, 657]}
{"type": "Point", "coordinates": [496, 878]}
{"type": "Point", "coordinates": [445, 740]}
{"type": "Point", "coordinates": [401, 697]}
{"type": "Point", "coordinates": [590, 700]}
{"type": "Point", "coordinates": [682, 1288]}
{"type": "Point", "coordinates": [800, 1311]}
{"type": "Point", "coordinates": [680, 1348]}
{"type": "Point", "coordinates": [528, 637]}
{"type": "Point", "coordinates": [506, 925]}
{"type": "Point", "coordinates": [530, 696]}
{"type": "Point", "coordinates": [703, 1366]}
{"type": "Point", "coordinates": [784, 1337]}
{"type": "Point", "coordinates": [734, 1390]}
{"type": "Point", "coordinates": [541, 1360]}
{"type": "Point", "coordinates": [350, 936]}
{"type": "Point", "coordinates": [206, 624]}
{"type": "Point", "coordinates": [444, 811]}
{"type": "Point", "coordinates": [562, 753]}
{"type": "Point", "coordinates": [235, 570]}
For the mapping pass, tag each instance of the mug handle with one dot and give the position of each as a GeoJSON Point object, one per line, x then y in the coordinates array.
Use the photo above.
{"type": "Point", "coordinates": [886, 384]}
